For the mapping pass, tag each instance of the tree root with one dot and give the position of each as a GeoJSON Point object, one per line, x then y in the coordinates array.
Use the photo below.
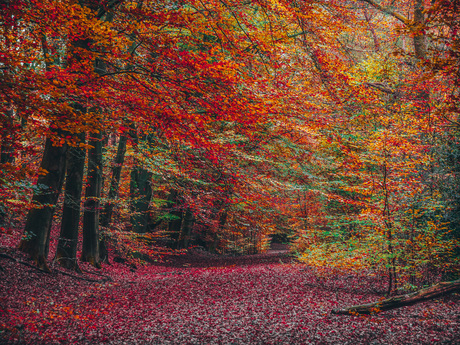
{"type": "Point", "coordinates": [106, 278]}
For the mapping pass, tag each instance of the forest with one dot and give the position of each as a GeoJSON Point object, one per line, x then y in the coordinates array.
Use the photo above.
{"type": "Point", "coordinates": [287, 170]}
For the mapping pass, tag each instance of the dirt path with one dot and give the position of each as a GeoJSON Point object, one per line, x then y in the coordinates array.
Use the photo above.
{"type": "Point", "coordinates": [259, 299]}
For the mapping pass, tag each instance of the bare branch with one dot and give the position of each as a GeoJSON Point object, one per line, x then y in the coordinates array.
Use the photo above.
{"type": "Point", "coordinates": [381, 87]}
{"type": "Point", "coordinates": [398, 16]}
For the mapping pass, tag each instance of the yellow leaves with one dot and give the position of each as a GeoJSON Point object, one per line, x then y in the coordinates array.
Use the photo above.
{"type": "Point", "coordinates": [375, 68]}
{"type": "Point", "coordinates": [324, 257]}
{"type": "Point", "coordinates": [16, 202]}
{"type": "Point", "coordinates": [131, 5]}
{"type": "Point", "coordinates": [42, 172]}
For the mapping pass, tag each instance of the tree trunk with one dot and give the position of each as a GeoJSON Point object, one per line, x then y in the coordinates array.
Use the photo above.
{"type": "Point", "coordinates": [66, 254]}
{"type": "Point", "coordinates": [107, 211]}
{"type": "Point", "coordinates": [175, 218]}
{"type": "Point", "coordinates": [438, 290]}
{"type": "Point", "coordinates": [90, 249]}
{"type": "Point", "coordinates": [174, 226]}
{"type": "Point", "coordinates": [186, 230]}
{"type": "Point", "coordinates": [141, 191]}
{"type": "Point", "coordinates": [419, 36]}
{"type": "Point", "coordinates": [35, 241]}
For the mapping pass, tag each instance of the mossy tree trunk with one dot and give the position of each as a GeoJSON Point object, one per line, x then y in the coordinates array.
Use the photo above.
{"type": "Point", "coordinates": [186, 230]}
{"type": "Point", "coordinates": [35, 241]}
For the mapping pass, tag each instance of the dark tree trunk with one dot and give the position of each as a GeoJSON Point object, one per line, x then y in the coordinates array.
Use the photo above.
{"type": "Point", "coordinates": [38, 224]}
{"type": "Point", "coordinates": [90, 249]}
{"type": "Point", "coordinates": [107, 211]}
{"type": "Point", "coordinates": [174, 226]}
{"type": "Point", "coordinates": [438, 290]}
{"type": "Point", "coordinates": [220, 213]}
{"type": "Point", "coordinates": [186, 231]}
{"type": "Point", "coordinates": [175, 217]}
{"type": "Point", "coordinates": [66, 254]}
{"type": "Point", "coordinates": [141, 191]}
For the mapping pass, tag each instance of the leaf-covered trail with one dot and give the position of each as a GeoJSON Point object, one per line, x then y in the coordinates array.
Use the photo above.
{"type": "Point", "coordinates": [247, 300]}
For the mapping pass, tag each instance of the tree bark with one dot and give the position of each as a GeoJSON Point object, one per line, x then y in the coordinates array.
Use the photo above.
{"type": "Point", "coordinates": [186, 230]}
{"type": "Point", "coordinates": [141, 191]}
{"type": "Point", "coordinates": [438, 290]}
{"type": "Point", "coordinates": [419, 35]}
{"type": "Point", "coordinates": [90, 249]}
{"type": "Point", "coordinates": [107, 211]}
{"type": "Point", "coordinates": [38, 224]}
{"type": "Point", "coordinates": [175, 218]}
{"type": "Point", "coordinates": [66, 253]}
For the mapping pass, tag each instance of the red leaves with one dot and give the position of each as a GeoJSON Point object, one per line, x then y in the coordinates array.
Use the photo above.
{"type": "Point", "coordinates": [245, 300]}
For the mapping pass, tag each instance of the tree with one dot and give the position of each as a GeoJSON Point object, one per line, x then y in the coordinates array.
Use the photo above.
{"type": "Point", "coordinates": [112, 195]}
{"type": "Point", "coordinates": [66, 252]}
{"type": "Point", "coordinates": [61, 83]}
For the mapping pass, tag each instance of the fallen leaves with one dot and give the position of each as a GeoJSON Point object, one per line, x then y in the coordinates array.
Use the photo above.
{"type": "Point", "coordinates": [235, 300]}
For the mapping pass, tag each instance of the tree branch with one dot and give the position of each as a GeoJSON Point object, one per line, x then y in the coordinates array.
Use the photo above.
{"type": "Point", "coordinates": [396, 15]}
{"type": "Point", "coordinates": [381, 87]}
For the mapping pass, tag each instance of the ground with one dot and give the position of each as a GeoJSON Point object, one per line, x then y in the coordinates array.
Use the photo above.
{"type": "Point", "coordinates": [205, 299]}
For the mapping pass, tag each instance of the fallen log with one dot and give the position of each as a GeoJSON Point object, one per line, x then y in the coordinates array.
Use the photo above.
{"type": "Point", "coordinates": [438, 290]}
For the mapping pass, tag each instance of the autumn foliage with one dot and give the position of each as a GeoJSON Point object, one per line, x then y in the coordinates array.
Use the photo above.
{"type": "Point", "coordinates": [146, 127]}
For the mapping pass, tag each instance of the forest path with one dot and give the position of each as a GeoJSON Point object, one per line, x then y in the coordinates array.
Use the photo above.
{"type": "Point", "coordinates": [257, 299]}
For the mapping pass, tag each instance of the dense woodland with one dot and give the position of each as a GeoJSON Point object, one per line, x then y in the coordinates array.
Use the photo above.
{"type": "Point", "coordinates": [136, 129]}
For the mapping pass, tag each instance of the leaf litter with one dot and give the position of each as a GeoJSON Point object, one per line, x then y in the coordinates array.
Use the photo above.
{"type": "Point", "coordinates": [200, 299]}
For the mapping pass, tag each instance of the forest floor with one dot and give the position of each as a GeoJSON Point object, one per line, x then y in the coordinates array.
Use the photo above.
{"type": "Point", "coordinates": [200, 298]}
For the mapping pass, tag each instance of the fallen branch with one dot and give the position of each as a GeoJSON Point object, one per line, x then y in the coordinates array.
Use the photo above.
{"type": "Point", "coordinates": [382, 87]}
{"type": "Point", "coordinates": [438, 290]}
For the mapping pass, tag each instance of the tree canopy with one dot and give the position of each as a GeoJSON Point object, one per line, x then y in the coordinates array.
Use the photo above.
{"type": "Point", "coordinates": [228, 123]}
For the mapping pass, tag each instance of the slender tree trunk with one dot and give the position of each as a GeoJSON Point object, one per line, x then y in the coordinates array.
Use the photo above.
{"type": "Point", "coordinates": [176, 217]}
{"type": "Point", "coordinates": [419, 37]}
{"type": "Point", "coordinates": [186, 231]}
{"type": "Point", "coordinates": [90, 249]}
{"type": "Point", "coordinates": [175, 225]}
{"type": "Point", "coordinates": [141, 191]}
{"type": "Point", "coordinates": [66, 254]}
{"type": "Point", "coordinates": [38, 224]}
{"type": "Point", "coordinates": [107, 211]}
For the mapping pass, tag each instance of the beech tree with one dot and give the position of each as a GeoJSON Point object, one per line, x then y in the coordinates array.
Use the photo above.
{"type": "Point", "coordinates": [237, 120]}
